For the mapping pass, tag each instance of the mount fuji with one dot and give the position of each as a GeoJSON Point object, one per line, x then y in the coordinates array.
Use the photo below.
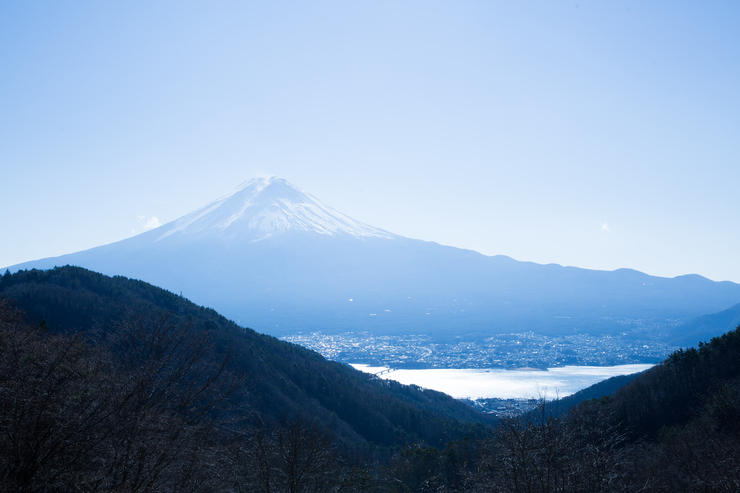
{"type": "Point", "coordinates": [263, 208]}
{"type": "Point", "coordinates": [272, 257]}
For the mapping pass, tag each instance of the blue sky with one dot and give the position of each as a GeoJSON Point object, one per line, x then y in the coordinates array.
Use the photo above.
{"type": "Point", "coordinates": [600, 134]}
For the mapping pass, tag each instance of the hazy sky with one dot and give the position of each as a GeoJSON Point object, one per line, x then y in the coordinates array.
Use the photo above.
{"type": "Point", "coordinates": [600, 134]}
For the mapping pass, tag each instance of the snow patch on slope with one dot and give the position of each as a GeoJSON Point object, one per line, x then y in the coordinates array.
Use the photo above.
{"type": "Point", "coordinates": [263, 207]}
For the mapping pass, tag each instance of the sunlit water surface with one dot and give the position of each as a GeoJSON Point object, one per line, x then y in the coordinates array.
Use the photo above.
{"type": "Point", "coordinates": [506, 384]}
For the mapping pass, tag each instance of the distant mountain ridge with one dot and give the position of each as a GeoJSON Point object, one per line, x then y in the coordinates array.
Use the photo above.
{"type": "Point", "coordinates": [706, 327]}
{"type": "Point", "coordinates": [273, 257]}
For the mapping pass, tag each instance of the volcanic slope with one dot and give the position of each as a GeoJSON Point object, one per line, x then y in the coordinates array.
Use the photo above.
{"type": "Point", "coordinates": [273, 255]}
{"type": "Point", "coordinates": [283, 379]}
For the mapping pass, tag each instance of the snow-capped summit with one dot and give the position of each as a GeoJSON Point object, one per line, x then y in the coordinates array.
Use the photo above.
{"type": "Point", "coordinates": [265, 207]}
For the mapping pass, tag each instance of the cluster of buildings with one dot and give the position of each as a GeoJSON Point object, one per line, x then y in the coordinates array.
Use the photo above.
{"type": "Point", "coordinates": [520, 350]}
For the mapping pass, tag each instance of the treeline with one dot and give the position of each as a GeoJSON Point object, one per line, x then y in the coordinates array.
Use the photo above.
{"type": "Point", "coordinates": [674, 392]}
{"type": "Point", "coordinates": [284, 379]}
{"type": "Point", "coordinates": [674, 428]}
{"type": "Point", "coordinates": [147, 406]}
{"type": "Point", "coordinates": [133, 411]}
{"type": "Point", "coordinates": [157, 394]}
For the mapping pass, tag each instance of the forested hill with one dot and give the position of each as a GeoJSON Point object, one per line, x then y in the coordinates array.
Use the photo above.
{"type": "Point", "coordinates": [130, 407]}
{"type": "Point", "coordinates": [690, 384]}
{"type": "Point", "coordinates": [283, 379]}
{"type": "Point", "coordinates": [671, 394]}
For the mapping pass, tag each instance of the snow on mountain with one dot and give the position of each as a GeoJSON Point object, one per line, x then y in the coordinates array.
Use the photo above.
{"type": "Point", "coordinates": [265, 207]}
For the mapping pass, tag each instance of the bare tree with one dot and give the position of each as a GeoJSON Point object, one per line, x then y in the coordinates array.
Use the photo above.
{"type": "Point", "coordinates": [134, 412]}
{"type": "Point", "coordinates": [545, 452]}
{"type": "Point", "coordinates": [294, 456]}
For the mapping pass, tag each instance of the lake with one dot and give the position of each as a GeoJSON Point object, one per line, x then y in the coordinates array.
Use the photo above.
{"type": "Point", "coordinates": [506, 384]}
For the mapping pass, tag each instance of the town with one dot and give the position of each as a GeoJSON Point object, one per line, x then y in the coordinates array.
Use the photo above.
{"type": "Point", "coordinates": [510, 351]}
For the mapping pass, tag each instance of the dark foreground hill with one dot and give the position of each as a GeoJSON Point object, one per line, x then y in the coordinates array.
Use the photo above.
{"type": "Point", "coordinates": [144, 402]}
{"type": "Point", "coordinates": [675, 427]}
{"type": "Point", "coordinates": [672, 393]}
{"type": "Point", "coordinates": [282, 378]}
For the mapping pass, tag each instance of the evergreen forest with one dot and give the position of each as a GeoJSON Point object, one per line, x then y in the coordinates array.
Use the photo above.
{"type": "Point", "coordinates": [109, 384]}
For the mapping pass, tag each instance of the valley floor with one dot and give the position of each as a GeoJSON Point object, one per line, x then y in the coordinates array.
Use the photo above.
{"type": "Point", "coordinates": [507, 351]}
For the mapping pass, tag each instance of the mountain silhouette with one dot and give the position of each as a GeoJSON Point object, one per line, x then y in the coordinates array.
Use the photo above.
{"type": "Point", "coordinates": [270, 256]}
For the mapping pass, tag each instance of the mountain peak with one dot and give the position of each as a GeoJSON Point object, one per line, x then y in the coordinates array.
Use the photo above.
{"type": "Point", "coordinates": [263, 207]}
